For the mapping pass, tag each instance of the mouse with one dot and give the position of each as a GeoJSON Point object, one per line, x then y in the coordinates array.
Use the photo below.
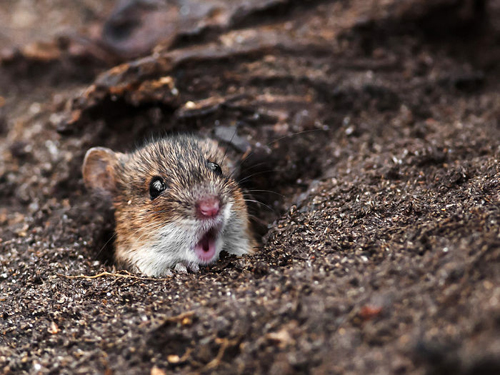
{"type": "Point", "coordinates": [176, 204]}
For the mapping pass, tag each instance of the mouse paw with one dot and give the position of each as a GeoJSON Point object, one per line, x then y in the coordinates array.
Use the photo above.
{"type": "Point", "coordinates": [193, 267]}
{"type": "Point", "coordinates": [168, 273]}
{"type": "Point", "coordinates": [180, 268]}
{"type": "Point", "coordinates": [184, 268]}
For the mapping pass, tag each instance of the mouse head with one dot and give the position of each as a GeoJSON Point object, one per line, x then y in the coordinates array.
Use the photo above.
{"type": "Point", "coordinates": [175, 202]}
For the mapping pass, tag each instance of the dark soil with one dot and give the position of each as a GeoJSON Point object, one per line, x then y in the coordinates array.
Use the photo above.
{"type": "Point", "coordinates": [373, 122]}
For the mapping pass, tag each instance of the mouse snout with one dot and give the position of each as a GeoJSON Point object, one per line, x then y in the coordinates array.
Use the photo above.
{"type": "Point", "coordinates": [208, 207]}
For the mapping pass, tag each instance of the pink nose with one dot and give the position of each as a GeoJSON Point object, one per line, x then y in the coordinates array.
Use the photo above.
{"type": "Point", "coordinates": [208, 207]}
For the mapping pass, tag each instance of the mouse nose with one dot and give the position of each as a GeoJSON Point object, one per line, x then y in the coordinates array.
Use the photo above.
{"type": "Point", "coordinates": [208, 207]}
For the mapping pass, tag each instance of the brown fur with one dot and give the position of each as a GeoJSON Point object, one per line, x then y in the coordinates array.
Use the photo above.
{"type": "Point", "coordinates": [182, 163]}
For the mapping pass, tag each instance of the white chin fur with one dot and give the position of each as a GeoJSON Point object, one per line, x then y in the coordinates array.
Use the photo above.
{"type": "Point", "coordinates": [175, 242]}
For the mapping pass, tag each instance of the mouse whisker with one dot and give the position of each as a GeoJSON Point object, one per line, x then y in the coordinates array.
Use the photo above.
{"type": "Point", "coordinates": [227, 148]}
{"type": "Point", "coordinates": [263, 191]}
{"type": "Point", "coordinates": [246, 170]}
{"type": "Point", "coordinates": [253, 175]}
{"type": "Point", "coordinates": [253, 166]}
{"type": "Point", "coordinates": [255, 218]}
{"type": "Point", "coordinates": [262, 204]}
{"type": "Point", "coordinates": [104, 246]}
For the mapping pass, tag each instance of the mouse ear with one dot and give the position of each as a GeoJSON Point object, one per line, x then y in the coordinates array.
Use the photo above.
{"type": "Point", "coordinates": [99, 171]}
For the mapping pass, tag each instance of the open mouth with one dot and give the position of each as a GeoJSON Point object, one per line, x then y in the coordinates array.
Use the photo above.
{"type": "Point", "coordinates": [205, 248]}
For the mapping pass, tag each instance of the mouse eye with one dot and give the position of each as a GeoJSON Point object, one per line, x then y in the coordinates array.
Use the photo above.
{"type": "Point", "coordinates": [215, 167]}
{"type": "Point", "coordinates": [156, 186]}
